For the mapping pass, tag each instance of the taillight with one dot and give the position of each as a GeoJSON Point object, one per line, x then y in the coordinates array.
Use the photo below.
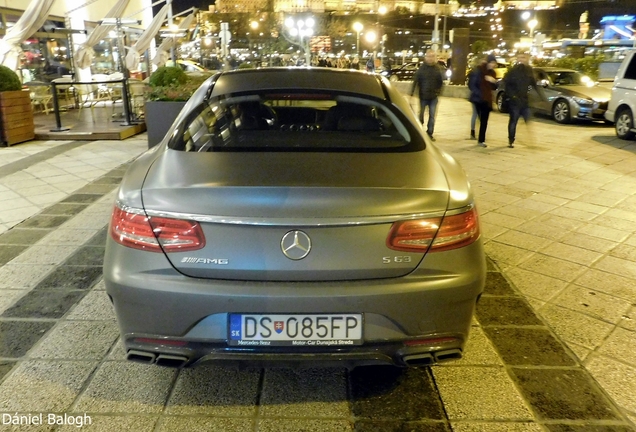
{"type": "Point", "coordinates": [152, 234]}
{"type": "Point", "coordinates": [438, 234]}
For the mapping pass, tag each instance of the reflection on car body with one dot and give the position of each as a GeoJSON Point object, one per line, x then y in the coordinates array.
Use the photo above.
{"type": "Point", "coordinates": [406, 71]}
{"type": "Point", "coordinates": [295, 215]}
{"type": "Point", "coordinates": [564, 94]}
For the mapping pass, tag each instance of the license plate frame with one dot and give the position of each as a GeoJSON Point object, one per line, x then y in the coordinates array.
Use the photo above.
{"type": "Point", "coordinates": [325, 330]}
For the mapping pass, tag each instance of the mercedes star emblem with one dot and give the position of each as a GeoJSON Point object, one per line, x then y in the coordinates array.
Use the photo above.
{"type": "Point", "coordinates": [295, 245]}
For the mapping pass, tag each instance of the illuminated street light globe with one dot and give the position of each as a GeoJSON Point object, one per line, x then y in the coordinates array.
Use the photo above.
{"type": "Point", "coordinates": [254, 25]}
{"type": "Point", "coordinates": [289, 23]}
{"type": "Point", "coordinates": [525, 15]}
{"type": "Point", "coordinates": [357, 26]}
{"type": "Point", "coordinates": [532, 24]}
{"type": "Point", "coordinates": [370, 36]}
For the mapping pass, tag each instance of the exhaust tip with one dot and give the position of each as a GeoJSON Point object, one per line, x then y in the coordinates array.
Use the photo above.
{"type": "Point", "coordinates": [418, 360]}
{"type": "Point", "coordinates": [140, 357]}
{"type": "Point", "coordinates": [171, 361]}
{"type": "Point", "coordinates": [453, 354]}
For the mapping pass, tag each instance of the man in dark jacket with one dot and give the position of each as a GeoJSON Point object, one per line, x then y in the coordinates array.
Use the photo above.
{"type": "Point", "coordinates": [517, 83]}
{"type": "Point", "coordinates": [481, 86]}
{"type": "Point", "coordinates": [429, 79]}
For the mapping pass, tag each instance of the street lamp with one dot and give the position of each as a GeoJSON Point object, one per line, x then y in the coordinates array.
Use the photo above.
{"type": "Point", "coordinates": [381, 11]}
{"type": "Point", "coordinates": [301, 29]}
{"type": "Point", "coordinates": [531, 25]}
{"type": "Point", "coordinates": [254, 27]}
{"type": "Point", "coordinates": [357, 26]}
{"type": "Point", "coordinates": [371, 37]}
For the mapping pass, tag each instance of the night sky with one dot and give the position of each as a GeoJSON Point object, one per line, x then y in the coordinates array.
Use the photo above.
{"type": "Point", "coordinates": [181, 5]}
{"type": "Point", "coordinates": [568, 14]}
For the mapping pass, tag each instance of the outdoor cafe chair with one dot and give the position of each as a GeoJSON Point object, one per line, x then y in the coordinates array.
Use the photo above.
{"type": "Point", "coordinates": [66, 91]}
{"type": "Point", "coordinates": [93, 94]}
{"type": "Point", "coordinates": [115, 89]}
{"type": "Point", "coordinates": [41, 96]}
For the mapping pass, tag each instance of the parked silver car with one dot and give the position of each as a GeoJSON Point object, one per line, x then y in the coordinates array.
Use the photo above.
{"type": "Point", "coordinates": [293, 215]}
{"type": "Point", "coordinates": [564, 94]}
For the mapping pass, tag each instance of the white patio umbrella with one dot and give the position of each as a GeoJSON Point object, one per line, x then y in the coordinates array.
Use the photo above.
{"type": "Point", "coordinates": [143, 43]}
{"type": "Point", "coordinates": [31, 20]}
{"type": "Point", "coordinates": [85, 54]}
{"type": "Point", "coordinates": [162, 52]}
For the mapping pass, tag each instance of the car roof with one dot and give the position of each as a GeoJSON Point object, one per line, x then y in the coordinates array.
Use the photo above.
{"type": "Point", "coordinates": [554, 69]}
{"type": "Point", "coordinates": [311, 79]}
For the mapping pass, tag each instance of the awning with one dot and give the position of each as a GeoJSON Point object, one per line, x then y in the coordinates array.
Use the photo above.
{"type": "Point", "coordinates": [162, 52]}
{"type": "Point", "coordinates": [85, 54]}
{"type": "Point", "coordinates": [31, 20]}
{"type": "Point", "coordinates": [143, 43]}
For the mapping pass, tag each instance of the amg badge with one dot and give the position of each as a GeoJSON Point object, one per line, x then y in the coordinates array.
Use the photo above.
{"type": "Point", "coordinates": [195, 260]}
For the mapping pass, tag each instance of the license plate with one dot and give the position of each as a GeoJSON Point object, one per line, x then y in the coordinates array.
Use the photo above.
{"type": "Point", "coordinates": [295, 330]}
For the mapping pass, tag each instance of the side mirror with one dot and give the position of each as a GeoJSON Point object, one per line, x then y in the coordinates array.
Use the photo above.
{"type": "Point", "coordinates": [543, 83]}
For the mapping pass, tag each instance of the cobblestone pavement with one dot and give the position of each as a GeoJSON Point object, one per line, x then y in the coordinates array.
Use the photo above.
{"type": "Point", "coordinates": [552, 347]}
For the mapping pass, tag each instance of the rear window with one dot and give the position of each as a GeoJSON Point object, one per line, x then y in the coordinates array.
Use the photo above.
{"type": "Point", "coordinates": [567, 78]}
{"type": "Point", "coordinates": [293, 121]}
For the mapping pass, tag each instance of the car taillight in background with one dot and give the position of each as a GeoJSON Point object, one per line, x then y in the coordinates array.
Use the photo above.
{"type": "Point", "coordinates": [438, 234]}
{"type": "Point", "coordinates": [153, 234]}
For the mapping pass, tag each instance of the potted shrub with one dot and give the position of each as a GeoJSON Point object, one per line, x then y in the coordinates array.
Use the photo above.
{"type": "Point", "coordinates": [16, 114]}
{"type": "Point", "coordinates": [169, 90]}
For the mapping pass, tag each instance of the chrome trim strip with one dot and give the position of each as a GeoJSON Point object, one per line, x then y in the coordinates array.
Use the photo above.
{"type": "Point", "coordinates": [129, 209]}
{"type": "Point", "coordinates": [298, 222]}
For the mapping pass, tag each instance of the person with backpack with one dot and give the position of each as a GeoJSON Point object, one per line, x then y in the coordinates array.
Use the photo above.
{"type": "Point", "coordinates": [481, 88]}
{"type": "Point", "coordinates": [517, 82]}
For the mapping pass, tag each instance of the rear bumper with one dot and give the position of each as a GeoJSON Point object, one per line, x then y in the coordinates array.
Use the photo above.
{"type": "Point", "coordinates": [195, 354]}
{"type": "Point", "coordinates": [159, 303]}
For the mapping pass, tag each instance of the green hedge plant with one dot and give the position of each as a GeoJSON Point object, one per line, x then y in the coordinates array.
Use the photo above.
{"type": "Point", "coordinates": [167, 76]}
{"type": "Point", "coordinates": [9, 80]}
{"type": "Point", "coordinates": [173, 84]}
{"type": "Point", "coordinates": [587, 65]}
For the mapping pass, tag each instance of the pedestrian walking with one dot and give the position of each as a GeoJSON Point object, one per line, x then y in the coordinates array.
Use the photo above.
{"type": "Point", "coordinates": [517, 82]}
{"type": "Point", "coordinates": [429, 79]}
{"type": "Point", "coordinates": [355, 63]}
{"type": "Point", "coordinates": [472, 75]}
{"type": "Point", "coordinates": [370, 65]}
{"type": "Point", "coordinates": [481, 89]}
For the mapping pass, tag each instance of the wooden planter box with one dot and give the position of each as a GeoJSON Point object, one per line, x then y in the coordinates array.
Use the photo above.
{"type": "Point", "coordinates": [159, 117]}
{"type": "Point", "coordinates": [16, 117]}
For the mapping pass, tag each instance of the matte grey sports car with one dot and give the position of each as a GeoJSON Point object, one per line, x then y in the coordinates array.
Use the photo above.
{"type": "Point", "coordinates": [295, 215]}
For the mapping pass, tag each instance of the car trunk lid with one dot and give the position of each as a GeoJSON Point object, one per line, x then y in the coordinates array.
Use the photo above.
{"type": "Point", "coordinates": [254, 206]}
